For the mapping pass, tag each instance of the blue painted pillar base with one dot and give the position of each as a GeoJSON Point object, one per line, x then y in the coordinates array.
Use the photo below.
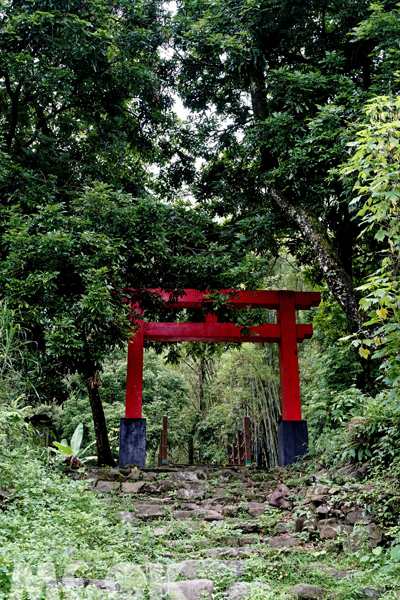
{"type": "Point", "coordinates": [132, 442]}
{"type": "Point", "coordinates": [292, 441]}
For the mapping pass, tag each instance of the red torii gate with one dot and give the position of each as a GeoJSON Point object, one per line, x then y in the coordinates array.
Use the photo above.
{"type": "Point", "coordinates": [292, 433]}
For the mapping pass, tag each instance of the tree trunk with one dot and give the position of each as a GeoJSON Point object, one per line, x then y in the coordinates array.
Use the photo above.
{"type": "Point", "coordinates": [339, 281]}
{"type": "Point", "coordinates": [191, 445]}
{"type": "Point", "coordinates": [104, 454]}
{"type": "Point", "coordinates": [337, 278]}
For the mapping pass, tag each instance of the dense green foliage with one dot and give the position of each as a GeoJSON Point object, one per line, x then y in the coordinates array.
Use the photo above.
{"type": "Point", "coordinates": [284, 174]}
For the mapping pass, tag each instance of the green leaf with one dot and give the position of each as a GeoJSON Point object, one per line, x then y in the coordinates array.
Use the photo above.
{"type": "Point", "coordinates": [64, 449]}
{"type": "Point", "coordinates": [76, 439]}
{"type": "Point", "coordinates": [395, 553]}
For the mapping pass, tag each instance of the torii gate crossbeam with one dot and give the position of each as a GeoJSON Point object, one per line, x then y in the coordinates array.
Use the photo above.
{"type": "Point", "coordinates": [292, 433]}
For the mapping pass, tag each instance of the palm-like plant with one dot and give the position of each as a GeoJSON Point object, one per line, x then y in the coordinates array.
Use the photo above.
{"type": "Point", "coordinates": [72, 451]}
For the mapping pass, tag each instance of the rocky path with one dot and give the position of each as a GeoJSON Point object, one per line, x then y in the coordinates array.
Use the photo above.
{"type": "Point", "coordinates": [236, 533]}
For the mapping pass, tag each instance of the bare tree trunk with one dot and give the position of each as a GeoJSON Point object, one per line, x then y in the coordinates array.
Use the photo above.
{"type": "Point", "coordinates": [104, 454]}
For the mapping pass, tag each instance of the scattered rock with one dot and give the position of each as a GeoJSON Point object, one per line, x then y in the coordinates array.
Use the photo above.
{"type": "Point", "coordinates": [125, 472]}
{"type": "Point", "coordinates": [282, 542]}
{"type": "Point", "coordinates": [212, 515]}
{"type": "Point", "coordinates": [308, 592]}
{"type": "Point", "coordinates": [278, 498]}
{"type": "Point", "coordinates": [149, 511]}
{"type": "Point", "coordinates": [364, 534]}
{"type": "Point", "coordinates": [329, 528]}
{"type": "Point", "coordinates": [230, 510]}
{"type": "Point", "coordinates": [189, 590]}
{"type": "Point", "coordinates": [322, 474]}
{"type": "Point", "coordinates": [190, 568]}
{"type": "Point", "coordinates": [330, 570]}
{"type": "Point", "coordinates": [220, 493]}
{"type": "Point", "coordinates": [372, 593]}
{"type": "Point", "coordinates": [127, 516]}
{"type": "Point", "coordinates": [320, 490]}
{"type": "Point", "coordinates": [187, 514]}
{"type": "Point", "coordinates": [107, 486]}
{"type": "Point", "coordinates": [130, 488]}
{"type": "Point", "coordinates": [369, 486]}
{"type": "Point", "coordinates": [229, 553]}
{"type": "Point", "coordinates": [323, 510]}
{"type": "Point", "coordinates": [111, 475]}
{"type": "Point", "coordinates": [234, 541]}
{"type": "Point", "coordinates": [134, 474]}
{"type": "Point", "coordinates": [181, 476]}
{"type": "Point", "coordinates": [189, 492]}
{"type": "Point", "coordinates": [248, 526]}
{"type": "Point", "coordinates": [308, 523]}
{"type": "Point", "coordinates": [282, 527]}
{"type": "Point", "coordinates": [255, 509]}
{"type": "Point", "coordinates": [166, 486]}
{"type": "Point", "coordinates": [358, 516]}
{"type": "Point", "coordinates": [92, 475]}
{"type": "Point", "coordinates": [242, 589]}
{"type": "Point", "coordinates": [101, 584]}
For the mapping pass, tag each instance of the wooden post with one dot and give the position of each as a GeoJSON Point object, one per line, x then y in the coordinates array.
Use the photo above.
{"type": "Point", "coordinates": [134, 378]}
{"type": "Point", "coordinates": [288, 359]}
{"type": "Point", "coordinates": [235, 454]}
{"type": "Point", "coordinates": [230, 457]}
{"type": "Point", "coordinates": [164, 442]}
{"type": "Point", "coordinates": [240, 443]}
{"type": "Point", "coordinates": [247, 451]}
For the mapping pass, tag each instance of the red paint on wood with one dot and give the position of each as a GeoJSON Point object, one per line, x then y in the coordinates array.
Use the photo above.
{"type": "Point", "coordinates": [134, 378]}
{"type": "Point", "coordinates": [240, 299]}
{"type": "Point", "coordinates": [286, 332]}
{"type": "Point", "coordinates": [218, 332]}
{"type": "Point", "coordinates": [208, 332]}
{"type": "Point", "coordinates": [288, 359]}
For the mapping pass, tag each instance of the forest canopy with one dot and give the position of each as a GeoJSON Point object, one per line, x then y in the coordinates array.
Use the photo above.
{"type": "Point", "coordinates": [287, 153]}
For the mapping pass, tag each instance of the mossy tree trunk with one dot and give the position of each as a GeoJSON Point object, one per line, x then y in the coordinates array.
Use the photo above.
{"type": "Point", "coordinates": [104, 453]}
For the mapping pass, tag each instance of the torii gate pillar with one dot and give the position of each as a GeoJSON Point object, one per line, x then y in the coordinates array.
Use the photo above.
{"type": "Point", "coordinates": [292, 431]}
